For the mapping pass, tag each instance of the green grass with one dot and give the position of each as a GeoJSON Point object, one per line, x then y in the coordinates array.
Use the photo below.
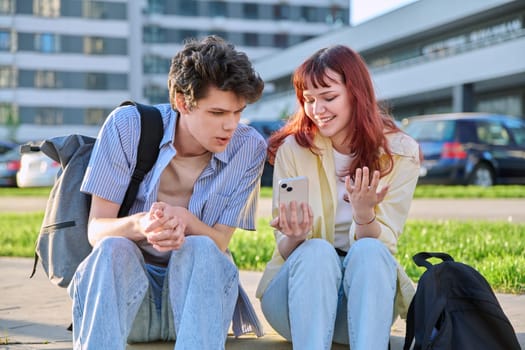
{"type": "Point", "coordinates": [25, 192]}
{"type": "Point", "coordinates": [18, 232]}
{"type": "Point", "coordinates": [495, 249]}
{"type": "Point", "coordinates": [422, 191]}
{"type": "Point", "coordinates": [439, 191]}
{"type": "Point", "coordinates": [498, 191]}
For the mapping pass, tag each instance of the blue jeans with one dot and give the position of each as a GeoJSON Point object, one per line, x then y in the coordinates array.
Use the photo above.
{"type": "Point", "coordinates": [115, 301]}
{"type": "Point", "coordinates": [318, 298]}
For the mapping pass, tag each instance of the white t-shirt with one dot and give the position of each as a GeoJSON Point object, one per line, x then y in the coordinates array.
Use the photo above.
{"type": "Point", "coordinates": [343, 213]}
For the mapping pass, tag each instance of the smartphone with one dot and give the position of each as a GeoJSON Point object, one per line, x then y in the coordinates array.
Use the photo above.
{"type": "Point", "coordinates": [294, 189]}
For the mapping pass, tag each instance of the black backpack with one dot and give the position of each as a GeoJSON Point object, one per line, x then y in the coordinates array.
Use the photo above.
{"type": "Point", "coordinates": [62, 243]}
{"type": "Point", "coordinates": [455, 308]}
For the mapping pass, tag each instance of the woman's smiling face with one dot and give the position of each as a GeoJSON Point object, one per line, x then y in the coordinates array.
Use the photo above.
{"type": "Point", "coordinates": [329, 107]}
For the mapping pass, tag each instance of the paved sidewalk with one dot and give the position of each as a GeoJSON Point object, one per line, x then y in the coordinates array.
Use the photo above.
{"type": "Point", "coordinates": [34, 314]}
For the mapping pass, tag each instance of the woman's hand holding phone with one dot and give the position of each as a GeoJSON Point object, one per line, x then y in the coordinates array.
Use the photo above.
{"type": "Point", "coordinates": [295, 218]}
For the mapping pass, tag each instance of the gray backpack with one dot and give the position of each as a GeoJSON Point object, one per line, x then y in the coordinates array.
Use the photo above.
{"type": "Point", "coordinates": [62, 243]}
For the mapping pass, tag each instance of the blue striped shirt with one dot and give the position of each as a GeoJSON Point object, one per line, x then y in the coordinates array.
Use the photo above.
{"type": "Point", "coordinates": [226, 192]}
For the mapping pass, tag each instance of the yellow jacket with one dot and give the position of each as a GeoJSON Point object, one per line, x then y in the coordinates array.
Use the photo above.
{"type": "Point", "coordinates": [294, 160]}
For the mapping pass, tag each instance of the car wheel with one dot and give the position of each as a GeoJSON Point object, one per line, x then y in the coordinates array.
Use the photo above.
{"type": "Point", "coordinates": [482, 175]}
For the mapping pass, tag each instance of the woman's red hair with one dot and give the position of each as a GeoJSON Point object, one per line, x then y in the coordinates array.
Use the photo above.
{"type": "Point", "coordinates": [366, 131]}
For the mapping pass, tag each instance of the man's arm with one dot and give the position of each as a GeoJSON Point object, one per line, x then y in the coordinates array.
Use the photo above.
{"type": "Point", "coordinates": [103, 222]}
{"type": "Point", "coordinates": [219, 233]}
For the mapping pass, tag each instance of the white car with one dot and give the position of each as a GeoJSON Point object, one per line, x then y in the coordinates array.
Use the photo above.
{"type": "Point", "coordinates": [37, 170]}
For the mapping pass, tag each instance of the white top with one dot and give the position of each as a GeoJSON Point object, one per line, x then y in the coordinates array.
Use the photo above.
{"type": "Point", "coordinates": [343, 213]}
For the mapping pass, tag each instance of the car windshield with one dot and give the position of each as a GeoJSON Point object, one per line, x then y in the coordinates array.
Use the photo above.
{"type": "Point", "coordinates": [517, 128]}
{"type": "Point", "coordinates": [431, 130]}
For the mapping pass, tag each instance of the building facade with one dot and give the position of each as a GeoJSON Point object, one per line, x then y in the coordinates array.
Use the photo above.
{"type": "Point", "coordinates": [431, 56]}
{"type": "Point", "coordinates": [65, 64]}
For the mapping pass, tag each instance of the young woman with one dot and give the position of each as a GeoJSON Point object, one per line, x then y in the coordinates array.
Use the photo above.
{"type": "Point", "coordinates": [333, 276]}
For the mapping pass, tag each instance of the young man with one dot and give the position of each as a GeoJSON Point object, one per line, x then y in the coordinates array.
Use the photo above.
{"type": "Point", "coordinates": [161, 273]}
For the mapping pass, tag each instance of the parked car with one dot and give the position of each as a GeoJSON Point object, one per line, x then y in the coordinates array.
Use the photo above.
{"type": "Point", "coordinates": [6, 146]}
{"type": "Point", "coordinates": [37, 170]}
{"type": "Point", "coordinates": [470, 148]}
{"type": "Point", "coordinates": [266, 128]}
{"type": "Point", "coordinates": [9, 166]}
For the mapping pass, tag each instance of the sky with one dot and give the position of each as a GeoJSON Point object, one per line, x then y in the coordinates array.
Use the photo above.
{"type": "Point", "coordinates": [363, 10]}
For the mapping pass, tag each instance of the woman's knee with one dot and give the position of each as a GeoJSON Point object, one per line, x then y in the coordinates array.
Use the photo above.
{"type": "Point", "coordinates": [316, 250]}
{"type": "Point", "coordinates": [316, 254]}
{"type": "Point", "coordinates": [373, 252]}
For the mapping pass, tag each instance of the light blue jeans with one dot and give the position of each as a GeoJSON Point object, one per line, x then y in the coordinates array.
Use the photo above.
{"type": "Point", "coordinates": [318, 297]}
{"type": "Point", "coordinates": [115, 301]}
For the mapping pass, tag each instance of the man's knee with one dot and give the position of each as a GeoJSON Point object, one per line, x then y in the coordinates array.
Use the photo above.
{"type": "Point", "coordinates": [118, 244]}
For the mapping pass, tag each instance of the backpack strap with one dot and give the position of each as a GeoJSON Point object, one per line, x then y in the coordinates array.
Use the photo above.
{"type": "Point", "coordinates": [410, 327]}
{"type": "Point", "coordinates": [421, 258]}
{"type": "Point", "coordinates": [151, 132]}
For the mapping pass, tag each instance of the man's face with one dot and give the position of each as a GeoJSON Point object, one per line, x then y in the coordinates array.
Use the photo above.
{"type": "Point", "coordinates": [210, 125]}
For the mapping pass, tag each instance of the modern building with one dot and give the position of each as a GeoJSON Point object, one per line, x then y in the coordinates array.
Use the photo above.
{"type": "Point", "coordinates": [430, 56]}
{"type": "Point", "coordinates": [65, 64]}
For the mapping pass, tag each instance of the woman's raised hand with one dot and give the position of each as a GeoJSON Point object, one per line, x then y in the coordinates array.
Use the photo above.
{"type": "Point", "coordinates": [363, 194]}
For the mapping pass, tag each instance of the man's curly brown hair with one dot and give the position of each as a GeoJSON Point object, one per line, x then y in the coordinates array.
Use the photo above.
{"type": "Point", "coordinates": [212, 62]}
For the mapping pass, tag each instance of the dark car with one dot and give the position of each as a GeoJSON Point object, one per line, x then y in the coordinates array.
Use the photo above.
{"type": "Point", "coordinates": [266, 128]}
{"type": "Point", "coordinates": [9, 166]}
{"type": "Point", "coordinates": [7, 146]}
{"type": "Point", "coordinates": [470, 148]}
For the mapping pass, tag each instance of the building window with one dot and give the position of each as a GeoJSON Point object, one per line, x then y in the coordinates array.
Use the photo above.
{"type": "Point", "coordinates": [46, 8]}
{"type": "Point", "coordinates": [156, 94]}
{"type": "Point", "coordinates": [280, 40]}
{"type": "Point", "coordinates": [503, 104]}
{"type": "Point", "coordinates": [153, 34]}
{"type": "Point", "coordinates": [251, 39]}
{"type": "Point", "coordinates": [281, 11]}
{"type": "Point", "coordinates": [96, 81]}
{"type": "Point", "coordinates": [8, 114]}
{"type": "Point", "coordinates": [47, 43]}
{"type": "Point", "coordinates": [156, 65]}
{"type": "Point", "coordinates": [5, 40]}
{"type": "Point", "coordinates": [93, 45]}
{"type": "Point", "coordinates": [46, 80]}
{"type": "Point", "coordinates": [7, 77]}
{"type": "Point", "coordinates": [309, 14]}
{"type": "Point", "coordinates": [95, 116]}
{"type": "Point", "coordinates": [49, 116]}
{"type": "Point", "coordinates": [220, 33]}
{"type": "Point", "coordinates": [156, 6]}
{"type": "Point", "coordinates": [218, 9]}
{"type": "Point", "coordinates": [188, 8]}
{"type": "Point", "coordinates": [339, 15]}
{"type": "Point", "coordinates": [6, 7]}
{"type": "Point", "coordinates": [186, 34]}
{"type": "Point", "coordinates": [251, 11]}
{"type": "Point", "coordinates": [93, 9]}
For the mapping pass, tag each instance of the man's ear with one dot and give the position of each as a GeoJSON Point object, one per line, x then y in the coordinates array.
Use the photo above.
{"type": "Point", "coordinates": [180, 103]}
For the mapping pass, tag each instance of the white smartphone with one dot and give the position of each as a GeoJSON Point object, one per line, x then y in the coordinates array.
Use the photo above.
{"type": "Point", "coordinates": [294, 189]}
